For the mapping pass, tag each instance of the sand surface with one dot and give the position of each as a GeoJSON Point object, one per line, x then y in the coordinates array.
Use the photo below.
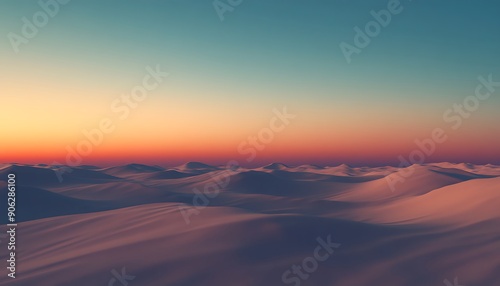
{"type": "Point", "coordinates": [206, 225]}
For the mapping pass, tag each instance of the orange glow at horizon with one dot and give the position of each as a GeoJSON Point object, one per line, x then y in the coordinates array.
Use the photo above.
{"type": "Point", "coordinates": [175, 125]}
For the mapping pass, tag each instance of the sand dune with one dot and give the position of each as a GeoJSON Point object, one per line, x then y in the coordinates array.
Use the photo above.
{"type": "Point", "coordinates": [131, 169]}
{"type": "Point", "coordinates": [459, 204]}
{"type": "Point", "coordinates": [276, 166]}
{"type": "Point", "coordinates": [441, 221]}
{"type": "Point", "coordinates": [34, 203]}
{"type": "Point", "coordinates": [196, 167]}
{"type": "Point", "coordinates": [169, 174]}
{"type": "Point", "coordinates": [47, 176]}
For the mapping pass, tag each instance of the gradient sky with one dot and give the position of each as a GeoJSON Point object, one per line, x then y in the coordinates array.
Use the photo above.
{"type": "Point", "coordinates": [227, 76]}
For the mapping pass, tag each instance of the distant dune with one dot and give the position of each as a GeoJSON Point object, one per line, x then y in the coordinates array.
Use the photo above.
{"type": "Point", "coordinates": [196, 167]}
{"type": "Point", "coordinates": [45, 176]}
{"type": "Point", "coordinates": [132, 169]}
{"type": "Point", "coordinates": [248, 227]}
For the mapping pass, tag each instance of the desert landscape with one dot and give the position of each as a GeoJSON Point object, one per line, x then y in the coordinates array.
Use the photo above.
{"type": "Point", "coordinates": [198, 224]}
{"type": "Point", "coordinates": [249, 143]}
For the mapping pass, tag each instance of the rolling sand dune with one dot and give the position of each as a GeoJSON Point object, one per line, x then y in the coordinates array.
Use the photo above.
{"type": "Point", "coordinates": [459, 204]}
{"type": "Point", "coordinates": [169, 174]}
{"type": "Point", "coordinates": [34, 203]}
{"type": "Point", "coordinates": [276, 166]}
{"type": "Point", "coordinates": [196, 167]}
{"type": "Point", "coordinates": [45, 176]}
{"type": "Point", "coordinates": [440, 221]}
{"type": "Point", "coordinates": [131, 169]}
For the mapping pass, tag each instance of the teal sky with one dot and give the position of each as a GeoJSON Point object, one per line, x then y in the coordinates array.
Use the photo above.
{"type": "Point", "coordinates": [442, 45]}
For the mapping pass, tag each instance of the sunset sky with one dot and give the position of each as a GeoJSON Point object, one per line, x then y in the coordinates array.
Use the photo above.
{"type": "Point", "coordinates": [226, 77]}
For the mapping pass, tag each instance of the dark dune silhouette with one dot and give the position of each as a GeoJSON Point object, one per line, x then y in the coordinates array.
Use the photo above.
{"type": "Point", "coordinates": [46, 176]}
{"type": "Point", "coordinates": [197, 166]}
{"type": "Point", "coordinates": [132, 168]}
{"type": "Point", "coordinates": [276, 166]}
{"type": "Point", "coordinates": [35, 203]}
{"type": "Point", "coordinates": [169, 174]}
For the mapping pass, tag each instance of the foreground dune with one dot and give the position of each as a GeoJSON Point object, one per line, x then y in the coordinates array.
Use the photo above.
{"type": "Point", "coordinates": [156, 224]}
